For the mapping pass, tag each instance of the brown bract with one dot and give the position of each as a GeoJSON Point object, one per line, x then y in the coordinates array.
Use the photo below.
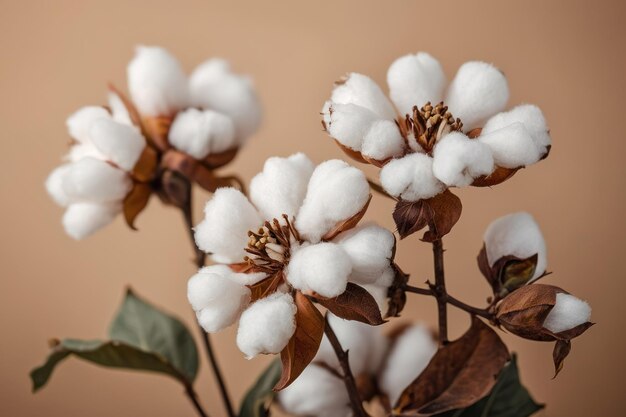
{"type": "Point", "coordinates": [507, 273]}
{"type": "Point", "coordinates": [355, 303]}
{"type": "Point", "coordinates": [440, 213]}
{"type": "Point", "coordinates": [461, 373]}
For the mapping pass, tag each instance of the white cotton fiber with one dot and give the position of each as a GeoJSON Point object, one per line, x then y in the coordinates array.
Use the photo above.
{"type": "Point", "coordinates": [213, 86]}
{"type": "Point", "coordinates": [216, 298]}
{"type": "Point", "coordinates": [530, 116]}
{"type": "Point", "coordinates": [200, 133]}
{"type": "Point", "coordinates": [316, 392]}
{"type": "Point", "coordinates": [336, 192]}
{"type": "Point", "coordinates": [409, 356]}
{"type": "Point", "coordinates": [379, 293]}
{"type": "Point", "coordinates": [369, 248]}
{"type": "Point", "coordinates": [79, 151]}
{"type": "Point", "coordinates": [54, 185]}
{"type": "Point", "coordinates": [323, 268]}
{"type": "Point", "coordinates": [119, 113]}
{"type": "Point", "coordinates": [383, 141]}
{"type": "Point", "coordinates": [477, 92]}
{"type": "Point", "coordinates": [348, 123]}
{"type": "Point", "coordinates": [267, 325]}
{"type": "Point", "coordinates": [223, 233]}
{"type": "Point", "coordinates": [567, 313]}
{"type": "Point", "coordinates": [281, 187]}
{"type": "Point", "coordinates": [79, 122]}
{"type": "Point", "coordinates": [82, 219]}
{"type": "Point", "coordinates": [157, 82]}
{"type": "Point", "coordinates": [361, 90]}
{"type": "Point", "coordinates": [516, 234]}
{"type": "Point", "coordinates": [512, 146]}
{"type": "Point", "coordinates": [411, 178]}
{"type": "Point", "coordinates": [415, 80]}
{"type": "Point", "coordinates": [121, 144]}
{"type": "Point", "coordinates": [95, 181]}
{"type": "Point", "coordinates": [457, 160]}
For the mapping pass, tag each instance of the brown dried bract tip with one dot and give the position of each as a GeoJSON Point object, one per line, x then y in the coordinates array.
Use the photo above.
{"type": "Point", "coordinates": [429, 124]}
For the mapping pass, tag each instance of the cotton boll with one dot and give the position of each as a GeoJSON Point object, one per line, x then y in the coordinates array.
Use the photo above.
{"type": "Point", "coordinates": [95, 181]}
{"type": "Point", "coordinates": [224, 231]}
{"type": "Point", "coordinates": [122, 144]}
{"type": "Point", "coordinates": [516, 234]}
{"type": "Point", "coordinates": [213, 86]}
{"type": "Point", "coordinates": [370, 249]}
{"type": "Point", "coordinates": [79, 151]}
{"type": "Point", "coordinates": [200, 133]}
{"type": "Point", "coordinates": [54, 185]}
{"type": "Point", "coordinates": [79, 123]}
{"type": "Point", "coordinates": [567, 313]}
{"type": "Point", "coordinates": [457, 160]}
{"type": "Point", "coordinates": [415, 80]}
{"type": "Point", "coordinates": [530, 116]}
{"type": "Point", "coordinates": [383, 141]}
{"type": "Point", "coordinates": [348, 123]}
{"type": "Point", "coordinates": [323, 268]}
{"type": "Point", "coordinates": [281, 187]}
{"type": "Point", "coordinates": [156, 81]}
{"type": "Point", "coordinates": [316, 392]}
{"type": "Point", "coordinates": [119, 112]}
{"type": "Point", "coordinates": [336, 192]}
{"type": "Point", "coordinates": [361, 90]}
{"type": "Point", "coordinates": [409, 356]}
{"type": "Point", "coordinates": [411, 178]}
{"type": "Point", "coordinates": [267, 325]}
{"type": "Point", "coordinates": [512, 146]}
{"type": "Point", "coordinates": [477, 92]}
{"type": "Point", "coordinates": [83, 219]}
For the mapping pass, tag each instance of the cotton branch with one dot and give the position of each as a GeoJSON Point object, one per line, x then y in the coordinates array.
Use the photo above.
{"type": "Point", "coordinates": [439, 291]}
{"type": "Point", "coordinates": [482, 312]}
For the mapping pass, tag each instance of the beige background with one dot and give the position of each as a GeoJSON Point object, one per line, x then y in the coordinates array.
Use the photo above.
{"type": "Point", "coordinates": [566, 56]}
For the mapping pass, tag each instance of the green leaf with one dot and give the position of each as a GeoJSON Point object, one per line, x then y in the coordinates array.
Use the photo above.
{"type": "Point", "coordinates": [258, 398]}
{"type": "Point", "coordinates": [508, 398]}
{"type": "Point", "coordinates": [111, 354]}
{"type": "Point", "coordinates": [142, 325]}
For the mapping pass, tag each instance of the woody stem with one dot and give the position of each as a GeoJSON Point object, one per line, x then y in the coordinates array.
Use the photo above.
{"type": "Point", "coordinates": [439, 291]}
{"type": "Point", "coordinates": [482, 312]}
{"type": "Point", "coordinates": [348, 378]}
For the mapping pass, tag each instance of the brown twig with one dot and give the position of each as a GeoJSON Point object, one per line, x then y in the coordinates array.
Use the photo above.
{"type": "Point", "coordinates": [439, 291]}
{"type": "Point", "coordinates": [348, 378]}
{"type": "Point", "coordinates": [482, 312]}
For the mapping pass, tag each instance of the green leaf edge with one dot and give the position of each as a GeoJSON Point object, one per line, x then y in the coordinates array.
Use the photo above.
{"type": "Point", "coordinates": [258, 398]}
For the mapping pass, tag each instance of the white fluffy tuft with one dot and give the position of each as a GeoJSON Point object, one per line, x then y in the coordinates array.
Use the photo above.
{"type": "Point", "coordinates": [567, 313]}
{"type": "Point", "coordinates": [119, 112]}
{"type": "Point", "coordinates": [323, 268]}
{"type": "Point", "coordinates": [415, 79]}
{"type": "Point", "coordinates": [200, 133]}
{"type": "Point", "coordinates": [95, 181]}
{"type": "Point", "coordinates": [516, 234]}
{"type": "Point", "coordinates": [79, 122]}
{"type": "Point", "coordinates": [411, 178]}
{"type": "Point", "coordinates": [121, 144]}
{"type": "Point", "coordinates": [512, 146]}
{"type": "Point", "coordinates": [157, 82]}
{"type": "Point", "coordinates": [336, 192]}
{"type": "Point", "coordinates": [223, 233]}
{"type": "Point", "coordinates": [361, 90]}
{"type": "Point", "coordinates": [54, 185]}
{"type": "Point", "coordinates": [457, 160]}
{"type": "Point", "coordinates": [82, 219]}
{"type": "Point", "coordinates": [477, 92]}
{"type": "Point", "coordinates": [383, 140]}
{"type": "Point", "coordinates": [267, 325]}
{"type": "Point", "coordinates": [348, 123]}
{"type": "Point", "coordinates": [531, 117]}
{"type": "Point", "coordinates": [281, 187]}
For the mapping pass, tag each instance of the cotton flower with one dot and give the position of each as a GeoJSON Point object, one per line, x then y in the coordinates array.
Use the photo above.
{"type": "Point", "coordinates": [294, 230]}
{"type": "Point", "coordinates": [425, 148]}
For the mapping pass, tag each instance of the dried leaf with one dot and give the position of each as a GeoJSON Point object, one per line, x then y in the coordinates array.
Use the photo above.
{"type": "Point", "coordinates": [355, 303]}
{"type": "Point", "coordinates": [498, 176]}
{"type": "Point", "coordinates": [348, 223]}
{"type": "Point", "coordinates": [560, 352]}
{"type": "Point", "coordinates": [396, 293]}
{"type": "Point", "coordinates": [305, 342]}
{"type": "Point", "coordinates": [440, 213]}
{"type": "Point", "coordinates": [214, 161]}
{"type": "Point", "coordinates": [461, 373]}
{"type": "Point", "coordinates": [135, 202]}
{"type": "Point", "coordinates": [146, 166]}
{"type": "Point", "coordinates": [157, 128]}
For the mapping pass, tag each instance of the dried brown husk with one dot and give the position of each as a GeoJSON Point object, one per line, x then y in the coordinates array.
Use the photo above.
{"type": "Point", "coordinates": [348, 223]}
{"type": "Point", "coordinates": [135, 202]}
{"type": "Point", "coordinates": [355, 303]}
{"type": "Point", "coordinates": [440, 213]}
{"type": "Point", "coordinates": [507, 273]}
{"type": "Point", "coordinates": [396, 293]}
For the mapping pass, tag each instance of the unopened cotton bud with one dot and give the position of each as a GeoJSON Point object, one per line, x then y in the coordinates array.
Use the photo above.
{"type": "Point", "coordinates": [281, 186]}
{"type": "Point", "coordinates": [122, 144]}
{"type": "Point", "coordinates": [512, 146]}
{"type": "Point", "coordinates": [370, 250]}
{"type": "Point", "coordinates": [348, 123]}
{"type": "Point", "coordinates": [383, 141]}
{"type": "Point", "coordinates": [567, 313]}
{"type": "Point", "coordinates": [411, 178]}
{"type": "Point", "coordinates": [79, 123]}
{"type": "Point", "coordinates": [95, 181]}
{"type": "Point", "coordinates": [457, 160]}
{"type": "Point", "coordinates": [414, 80]}
{"type": "Point", "coordinates": [336, 192]}
{"type": "Point", "coordinates": [530, 116]}
{"type": "Point", "coordinates": [54, 185]}
{"type": "Point", "coordinates": [519, 235]}
{"type": "Point", "coordinates": [361, 90]}
{"type": "Point", "coordinates": [200, 133]}
{"type": "Point", "coordinates": [267, 325]}
{"type": "Point", "coordinates": [213, 86]}
{"type": "Point", "coordinates": [477, 92]}
{"type": "Point", "coordinates": [409, 356]}
{"type": "Point", "coordinates": [323, 268]}
{"type": "Point", "coordinates": [82, 219]}
{"type": "Point", "coordinates": [223, 233]}
{"type": "Point", "coordinates": [156, 81]}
